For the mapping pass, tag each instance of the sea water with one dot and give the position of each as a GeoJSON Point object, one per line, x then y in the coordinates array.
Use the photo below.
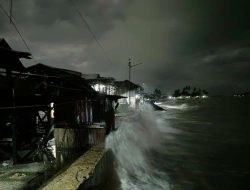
{"type": "Point", "coordinates": [194, 144]}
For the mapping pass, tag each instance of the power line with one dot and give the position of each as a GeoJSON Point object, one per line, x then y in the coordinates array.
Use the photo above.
{"type": "Point", "coordinates": [84, 20]}
{"type": "Point", "coordinates": [30, 74]}
{"type": "Point", "coordinates": [11, 5]}
{"type": "Point", "coordinates": [45, 105]}
{"type": "Point", "coordinates": [66, 88]}
{"type": "Point", "coordinates": [15, 26]}
{"type": "Point", "coordinates": [21, 107]}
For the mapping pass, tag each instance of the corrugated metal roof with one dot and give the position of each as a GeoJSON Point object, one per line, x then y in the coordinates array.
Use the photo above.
{"type": "Point", "coordinates": [10, 58]}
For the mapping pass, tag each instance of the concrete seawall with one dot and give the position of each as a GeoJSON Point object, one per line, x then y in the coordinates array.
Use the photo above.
{"type": "Point", "coordinates": [90, 170]}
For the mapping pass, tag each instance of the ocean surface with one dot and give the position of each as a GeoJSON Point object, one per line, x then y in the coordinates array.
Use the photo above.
{"type": "Point", "coordinates": [194, 144]}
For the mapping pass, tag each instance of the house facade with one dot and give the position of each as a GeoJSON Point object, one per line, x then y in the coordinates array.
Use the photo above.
{"type": "Point", "coordinates": [131, 91]}
{"type": "Point", "coordinates": [103, 85]}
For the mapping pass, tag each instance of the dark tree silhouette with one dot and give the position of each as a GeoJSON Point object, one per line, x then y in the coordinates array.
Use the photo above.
{"type": "Point", "coordinates": [186, 91]}
{"type": "Point", "coordinates": [205, 92]}
{"type": "Point", "coordinates": [157, 93]}
{"type": "Point", "coordinates": [177, 93]}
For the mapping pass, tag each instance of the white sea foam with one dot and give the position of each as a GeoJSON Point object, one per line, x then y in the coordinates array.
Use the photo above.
{"type": "Point", "coordinates": [137, 135]}
{"type": "Point", "coordinates": [178, 107]}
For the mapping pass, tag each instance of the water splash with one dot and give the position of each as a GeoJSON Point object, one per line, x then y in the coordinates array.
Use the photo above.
{"type": "Point", "coordinates": [136, 136]}
{"type": "Point", "coordinates": [178, 107]}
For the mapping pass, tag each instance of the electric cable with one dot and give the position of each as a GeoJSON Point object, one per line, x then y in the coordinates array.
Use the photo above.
{"type": "Point", "coordinates": [15, 26]}
{"type": "Point", "coordinates": [84, 20]}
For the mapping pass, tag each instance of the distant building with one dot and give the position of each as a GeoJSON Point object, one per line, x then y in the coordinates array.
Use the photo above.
{"type": "Point", "coordinates": [132, 91]}
{"type": "Point", "coordinates": [103, 85]}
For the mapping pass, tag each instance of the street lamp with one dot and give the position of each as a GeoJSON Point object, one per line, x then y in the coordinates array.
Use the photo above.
{"type": "Point", "coordinates": [130, 66]}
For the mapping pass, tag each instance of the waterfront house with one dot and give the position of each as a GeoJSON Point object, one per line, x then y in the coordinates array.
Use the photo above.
{"type": "Point", "coordinates": [132, 91]}
{"type": "Point", "coordinates": [78, 108]}
{"type": "Point", "coordinates": [41, 102]}
{"type": "Point", "coordinates": [103, 85]}
{"type": "Point", "coordinates": [12, 134]}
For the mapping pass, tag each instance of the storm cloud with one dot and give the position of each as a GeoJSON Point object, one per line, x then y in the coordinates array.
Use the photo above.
{"type": "Point", "coordinates": [185, 42]}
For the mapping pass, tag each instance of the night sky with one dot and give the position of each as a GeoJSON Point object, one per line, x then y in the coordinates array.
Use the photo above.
{"type": "Point", "coordinates": [202, 43]}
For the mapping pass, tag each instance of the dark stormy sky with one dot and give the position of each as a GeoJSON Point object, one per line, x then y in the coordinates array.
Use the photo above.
{"type": "Point", "coordinates": [203, 43]}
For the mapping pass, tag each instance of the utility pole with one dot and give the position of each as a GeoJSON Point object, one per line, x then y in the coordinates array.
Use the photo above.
{"type": "Point", "coordinates": [129, 71]}
{"type": "Point", "coordinates": [130, 66]}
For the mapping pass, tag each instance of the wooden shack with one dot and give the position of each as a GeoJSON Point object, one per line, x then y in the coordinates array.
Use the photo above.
{"type": "Point", "coordinates": [77, 108]}
{"type": "Point", "coordinates": [48, 112]}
